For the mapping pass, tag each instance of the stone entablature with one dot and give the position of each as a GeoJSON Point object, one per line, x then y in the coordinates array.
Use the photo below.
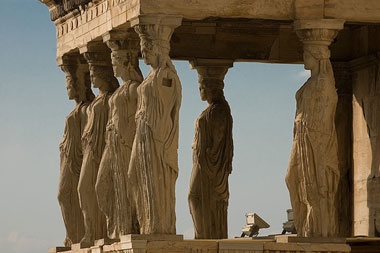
{"type": "Point", "coordinates": [90, 21]}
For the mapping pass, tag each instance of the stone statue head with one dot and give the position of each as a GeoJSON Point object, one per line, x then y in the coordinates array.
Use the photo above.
{"type": "Point", "coordinates": [78, 84]}
{"type": "Point", "coordinates": [155, 44]}
{"type": "Point", "coordinates": [210, 89]}
{"type": "Point", "coordinates": [102, 78]}
{"type": "Point", "coordinates": [149, 52]}
{"type": "Point", "coordinates": [126, 65]}
{"type": "Point", "coordinates": [317, 59]}
{"type": "Point", "coordinates": [71, 80]}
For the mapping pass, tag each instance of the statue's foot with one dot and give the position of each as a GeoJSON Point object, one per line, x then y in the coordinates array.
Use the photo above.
{"type": "Point", "coordinates": [86, 241]}
{"type": "Point", "coordinates": [67, 242]}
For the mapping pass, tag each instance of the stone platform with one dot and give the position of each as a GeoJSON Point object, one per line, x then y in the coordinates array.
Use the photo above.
{"type": "Point", "coordinates": [176, 244]}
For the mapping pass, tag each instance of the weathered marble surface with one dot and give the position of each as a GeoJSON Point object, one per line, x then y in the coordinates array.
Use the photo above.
{"type": "Point", "coordinates": [151, 245]}
{"type": "Point", "coordinates": [313, 174]}
{"type": "Point", "coordinates": [154, 161]}
{"type": "Point", "coordinates": [78, 89]}
{"type": "Point", "coordinates": [112, 186]}
{"type": "Point", "coordinates": [343, 126]}
{"type": "Point", "coordinates": [93, 145]}
{"type": "Point", "coordinates": [366, 151]}
{"type": "Point", "coordinates": [212, 157]}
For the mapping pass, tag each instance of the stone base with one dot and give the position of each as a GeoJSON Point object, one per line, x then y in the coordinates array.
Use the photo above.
{"type": "Point", "coordinates": [364, 244]}
{"type": "Point", "coordinates": [105, 241]}
{"type": "Point", "coordinates": [176, 244]}
{"type": "Point", "coordinates": [296, 239]}
{"type": "Point", "coordinates": [78, 246]}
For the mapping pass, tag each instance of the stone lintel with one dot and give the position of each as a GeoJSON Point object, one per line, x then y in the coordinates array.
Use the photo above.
{"type": "Point", "coordinates": [333, 24]}
{"type": "Point", "coordinates": [157, 19]}
{"type": "Point", "coordinates": [124, 34]}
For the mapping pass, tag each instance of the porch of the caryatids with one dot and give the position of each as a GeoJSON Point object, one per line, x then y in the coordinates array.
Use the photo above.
{"type": "Point", "coordinates": [112, 186]}
{"type": "Point", "coordinates": [212, 153]}
{"type": "Point", "coordinates": [93, 139]}
{"type": "Point", "coordinates": [78, 89]}
{"type": "Point", "coordinates": [313, 174]}
{"type": "Point", "coordinates": [154, 161]}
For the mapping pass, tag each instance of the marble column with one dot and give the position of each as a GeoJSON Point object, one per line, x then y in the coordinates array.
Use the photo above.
{"type": "Point", "coordinates": [78, 89]}
{"type": "Point", "coordinates": [154, 161]}
{"type": "Point", "coordinates": [343, 125]}
{"type": "Point", "coordinates": [212, 153]}
{"type": "Point", "coordinates": [313, 174]}
{"type": "Point", "coordinates": [112, 186]}
{"type": "Point", "coordinates": [93, 139]}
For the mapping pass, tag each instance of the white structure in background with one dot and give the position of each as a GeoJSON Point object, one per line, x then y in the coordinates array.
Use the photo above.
{"type": "Point", "coordinates": [254, 224]}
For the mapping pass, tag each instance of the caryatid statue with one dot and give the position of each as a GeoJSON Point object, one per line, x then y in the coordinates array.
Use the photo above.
{"type": "Point", "coordinates": [154, 162]}
{"type": "Point", "coordinates": [112, 187]}
{"type": "Point", "coordinates": [212, 154]}
{"type": "Point", "coordinates": [313, 173]}
{"type": "Point", "coordinates": [78, 89]}
{"type": "Point", "coordinates": [93, 145]}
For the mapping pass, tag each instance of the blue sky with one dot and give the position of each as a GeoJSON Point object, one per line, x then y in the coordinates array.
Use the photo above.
{"type": "Point", "coordinates": [34, 104]}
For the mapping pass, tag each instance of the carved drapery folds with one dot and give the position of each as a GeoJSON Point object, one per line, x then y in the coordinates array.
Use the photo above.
{"type": "Point", "coordinates": [313, 174]}
{"type": "Point", "coordinates": [93, 141]}
{"type": "Point", "coordinates": [112, 187]}
{"type": "Point", "coordinates": [212, 153]}
{"type": "Point", "coordinates": [79, 90]}
{"type": "Point", "coordinates": [154, 161]}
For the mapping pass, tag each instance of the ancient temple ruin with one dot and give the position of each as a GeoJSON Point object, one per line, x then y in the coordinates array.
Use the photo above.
{"type": "Point", "coordinates": [334, 171]}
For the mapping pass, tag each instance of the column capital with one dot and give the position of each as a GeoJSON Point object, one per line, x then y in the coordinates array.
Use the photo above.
{"type": "Point", "coordinates": [96, 53]}
{"type": "Point", "coordinates": [318, 31]}
{"type": "Point", "coordinates": [122, 40]}
{"type": "Point", "coordinates": [67, 60]}
{"type": "Point", "coordinates": [211, 68]}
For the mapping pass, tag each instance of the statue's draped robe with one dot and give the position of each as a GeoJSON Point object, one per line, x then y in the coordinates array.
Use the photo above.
{"type": "Point", "coordinates": [70, 165]}
{"type": "Point", "coordinates": [212, 164]}
{"type": "Point", "coordinates": [154, 162]}
{"type": "Point", "coordinates": [112, 184]}
{"type": "Point", "coordinates": [313, 173]}
{"type": "Point", "coordinates": [93, 145]}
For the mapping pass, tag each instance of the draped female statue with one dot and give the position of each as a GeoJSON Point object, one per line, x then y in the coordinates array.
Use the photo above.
{"type": "Point", "coordinates": [313, 173]}
{"type": "Point", "coordinates": [154, 160]}
{"type": "Point", "coordinates": [212, 162]}
{"type": "Point", "coordinates": [78, 89]}
{"type": "Point", "coordinates": [93, 145]}
{"type": "Point", "coordinates": [112, 185]}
